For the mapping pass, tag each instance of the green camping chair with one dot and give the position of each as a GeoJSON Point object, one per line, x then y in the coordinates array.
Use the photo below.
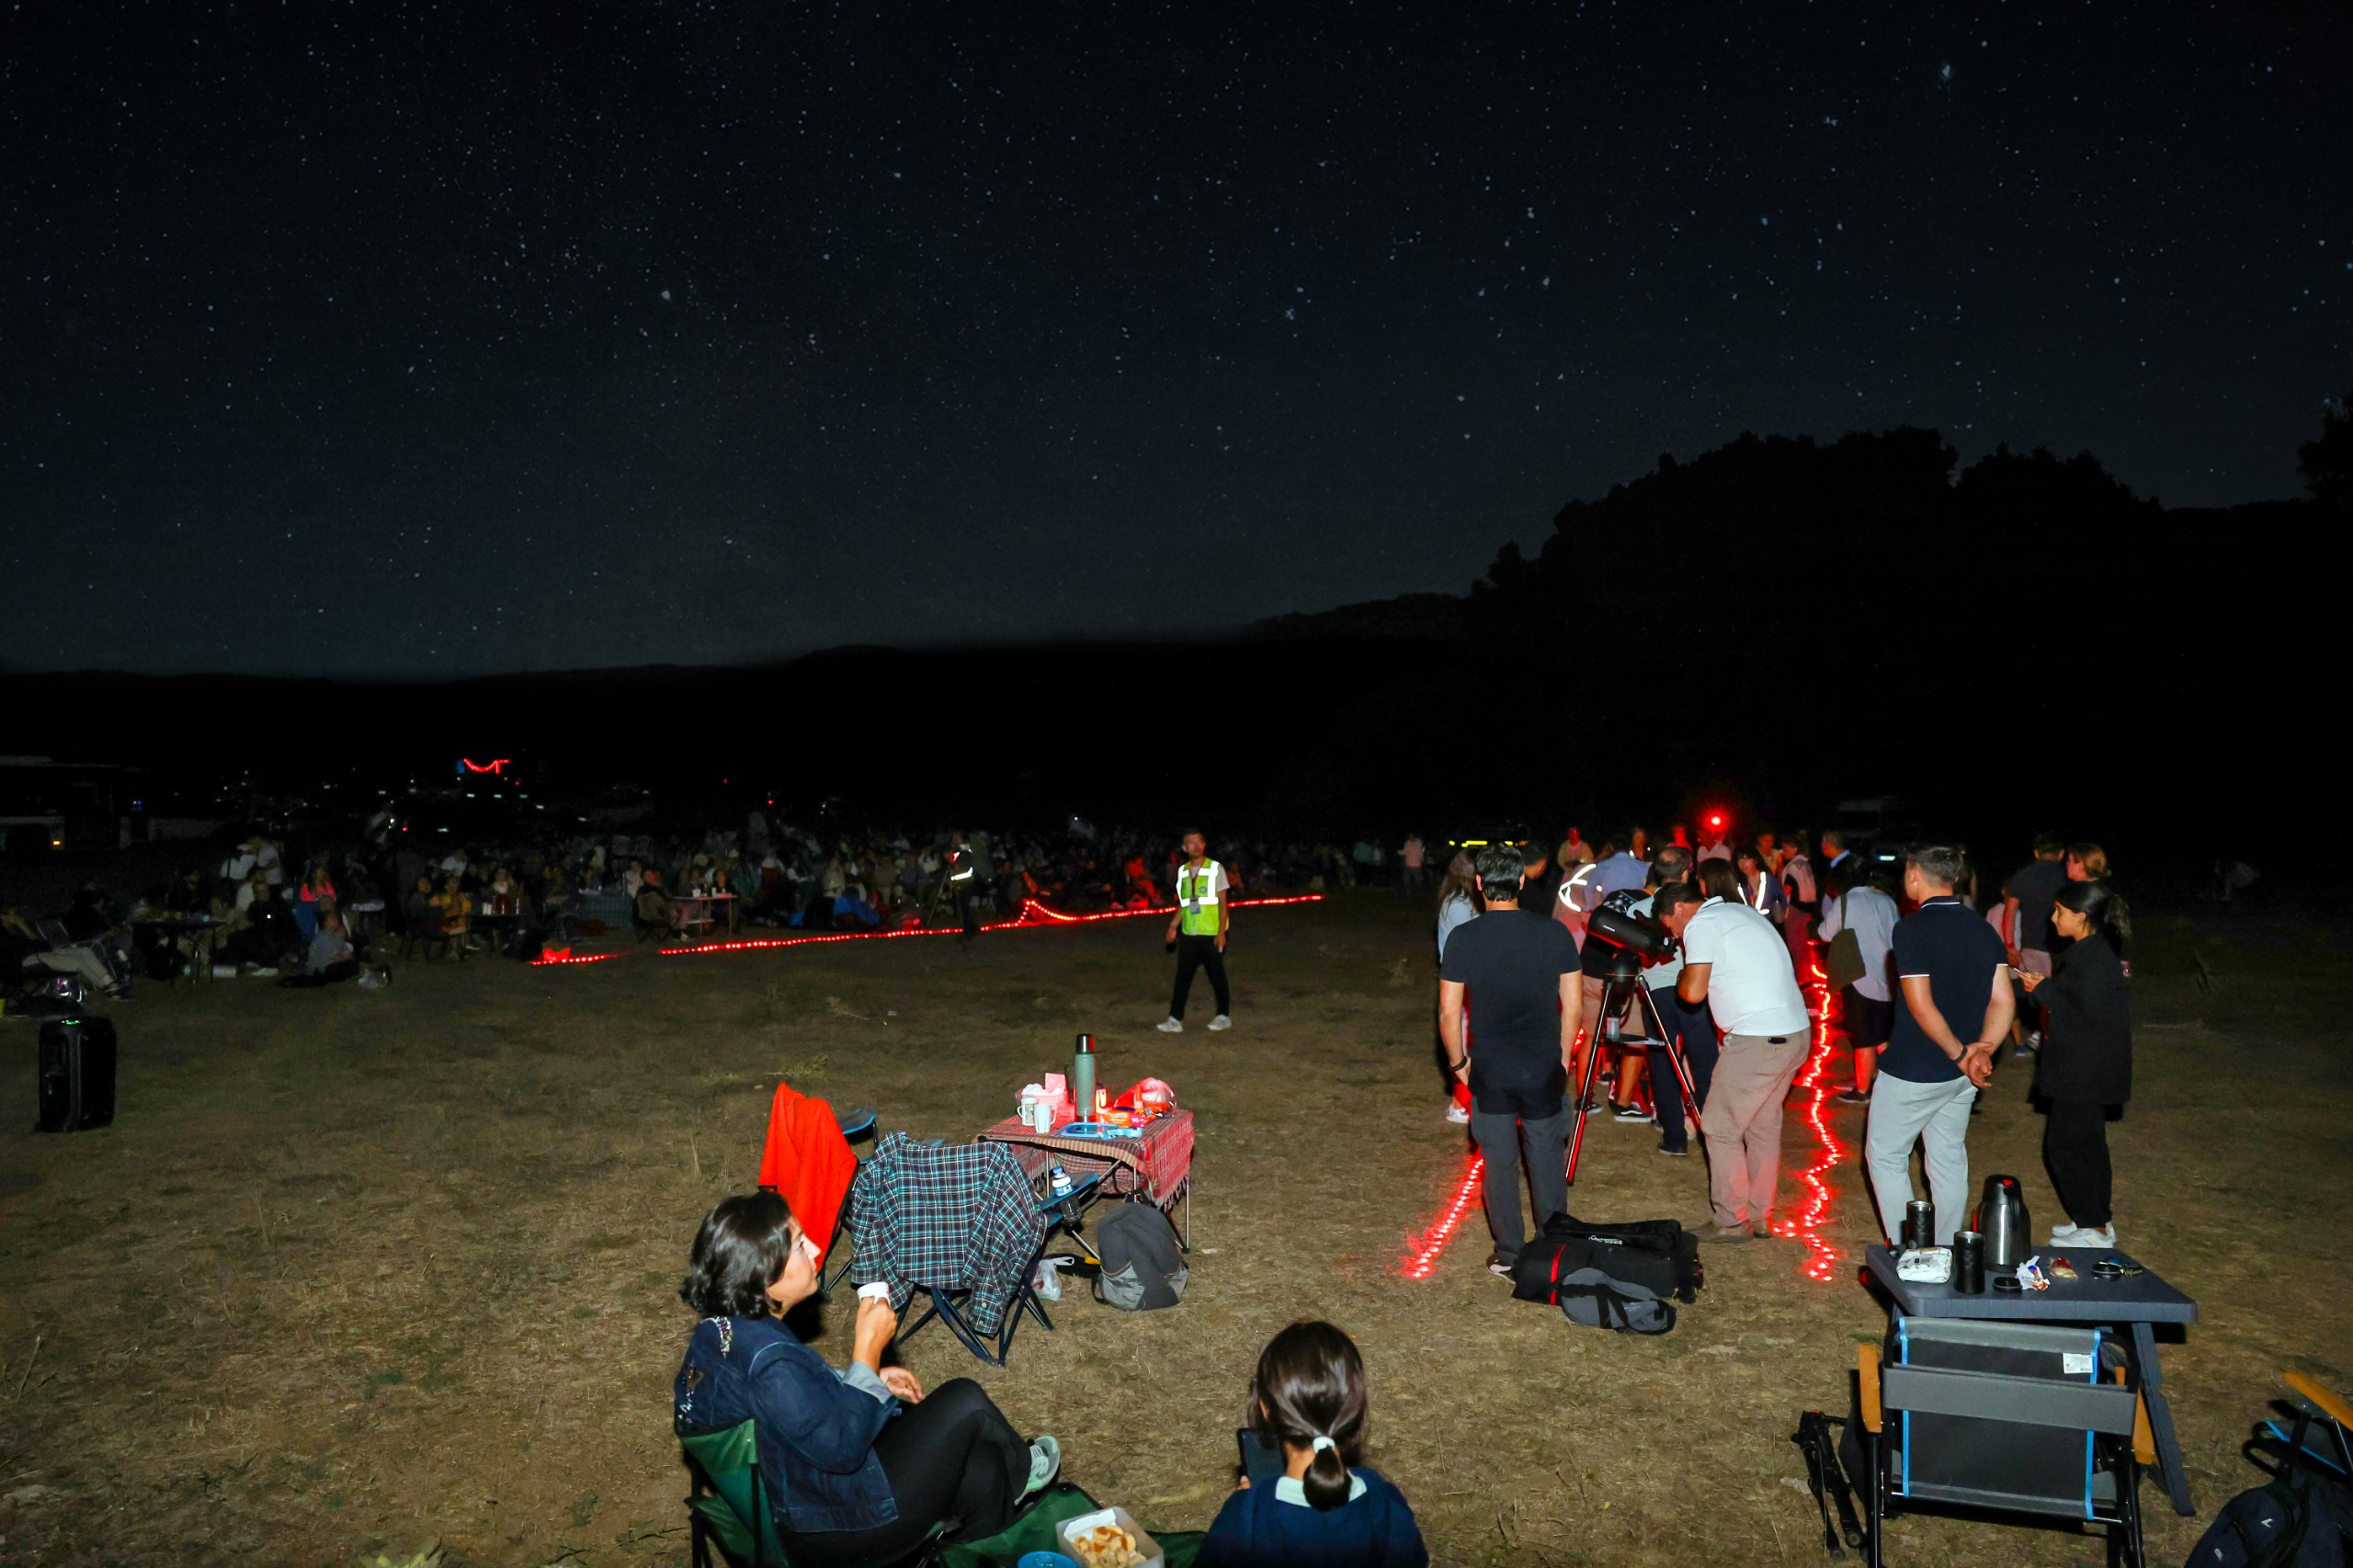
{"type": "Point", "coordinates": [730, 1504]}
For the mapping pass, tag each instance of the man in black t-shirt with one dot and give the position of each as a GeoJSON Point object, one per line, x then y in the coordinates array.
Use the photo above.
{"type": "Point", "coordinates": [1518, 970]}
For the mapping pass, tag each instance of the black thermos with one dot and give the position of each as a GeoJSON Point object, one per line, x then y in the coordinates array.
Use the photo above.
{"type": "Point", "coordinates": [1919, 1223]}
{"type": "Point", "coordinates": [1969, 1263]}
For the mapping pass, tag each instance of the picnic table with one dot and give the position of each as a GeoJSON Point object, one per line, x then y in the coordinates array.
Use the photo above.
{"type": "Point", "coordinates": [1155, 1161]}
{"type": "Point", "coordinates": [2135, 1302]}
{"type": "Point", "coordinates": [689, 918]}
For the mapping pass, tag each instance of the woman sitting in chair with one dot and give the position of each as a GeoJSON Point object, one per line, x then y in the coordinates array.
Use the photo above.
{"type": "Point", "coordinates": [858, 1465]}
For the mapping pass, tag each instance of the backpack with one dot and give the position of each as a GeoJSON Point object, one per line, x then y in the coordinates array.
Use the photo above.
{"type": "Point", "coordinates": [2289, 1524]}
{"type": "Point", "coordinates": [1624, 1277]}
{"type": "Point", "coordinates": [1143, 1269]}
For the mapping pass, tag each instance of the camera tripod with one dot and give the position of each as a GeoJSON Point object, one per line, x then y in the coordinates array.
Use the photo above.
{"type": "Point", "coordinates": [1623, 984]}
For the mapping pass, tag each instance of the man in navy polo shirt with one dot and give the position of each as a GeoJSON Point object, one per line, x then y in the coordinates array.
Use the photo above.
{"type": "Point", "coordinates": [1956, 1009]}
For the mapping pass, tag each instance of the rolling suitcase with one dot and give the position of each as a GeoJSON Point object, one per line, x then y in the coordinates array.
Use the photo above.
{"type": "Point", "coordinates": [76, 1075]}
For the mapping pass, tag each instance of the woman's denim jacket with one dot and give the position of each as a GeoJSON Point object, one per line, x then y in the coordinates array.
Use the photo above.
{"type": "Point", "coordinates": [816, 1426]}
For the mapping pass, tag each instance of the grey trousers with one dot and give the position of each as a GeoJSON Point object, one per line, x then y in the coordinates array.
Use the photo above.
{"type": "Point", "coordinates": [1904, 1113]}
{"type": "Point", "coordinates": [1501, 1138]}
{"type": "Point", "coordinates": [1743, 1121]}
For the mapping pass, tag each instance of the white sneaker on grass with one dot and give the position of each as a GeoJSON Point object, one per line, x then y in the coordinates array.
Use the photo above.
{"type": "Point", "coordinates": [2065, 1236]}
{"type": "Point", "coordinates": [1169, 1026]}
{"type": "Point", "coordinates": [1045, 1463]}
{"type": "Point", "coordinates": [1220, 1022]}
{"type": "Point", "coordinates": [1459, 1115]}
{"type": "Point", "coordinates": [2103, 1236]}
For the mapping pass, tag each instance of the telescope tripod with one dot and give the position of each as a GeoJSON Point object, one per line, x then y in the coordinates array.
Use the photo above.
{"type": "Point", "coordinates": [1616, 993]}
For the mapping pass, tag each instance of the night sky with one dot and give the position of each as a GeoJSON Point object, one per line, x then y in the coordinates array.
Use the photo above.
{"type": "Point", "coordinates": [383, 339]}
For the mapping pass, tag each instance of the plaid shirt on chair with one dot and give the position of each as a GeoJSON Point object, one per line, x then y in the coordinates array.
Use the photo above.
{"type": "Point", "coordinates": [949, 1217]}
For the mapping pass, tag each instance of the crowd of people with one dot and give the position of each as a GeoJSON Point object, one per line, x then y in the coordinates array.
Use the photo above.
{"type": "Point", "coordinates": [308, 909]}
{"type": "Point", "coordinates": [1923, 983]}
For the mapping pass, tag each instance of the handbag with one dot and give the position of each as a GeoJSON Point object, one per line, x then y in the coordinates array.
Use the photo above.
{"type": "Point", "coordinates": [1843, 964]}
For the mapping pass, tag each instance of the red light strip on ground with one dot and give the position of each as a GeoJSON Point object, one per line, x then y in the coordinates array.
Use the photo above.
{"type": "Point", "coordinates": [1035, 916]}
{"type": "Point", "coordinates": [1427, 1246]}
{"type": "Point", "coordinates": [1813, 1182]}
{"type": "Point", "coordinates": [544, 960]}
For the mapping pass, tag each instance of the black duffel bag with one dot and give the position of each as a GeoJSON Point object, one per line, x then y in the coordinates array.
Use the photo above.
{"type": "Point", "coordinates": [1619, 1276]}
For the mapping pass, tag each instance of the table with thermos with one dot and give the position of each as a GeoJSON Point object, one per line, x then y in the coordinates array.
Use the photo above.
{"type": "Point", "coordinates": [2107, 1287]}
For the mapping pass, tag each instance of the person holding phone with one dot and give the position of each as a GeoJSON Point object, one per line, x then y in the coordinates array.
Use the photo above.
{"type": "Point", "coordinates": [2086, 1061]}
{"type": "Point", "coordinates": [1307, 1498]}
{"type": "Point", "coordinates": [858, 1465]}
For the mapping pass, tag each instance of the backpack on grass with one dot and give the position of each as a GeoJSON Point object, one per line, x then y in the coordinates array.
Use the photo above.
{"type": "Point", "coordinates": [1625, 1278]}
{"type": "Point", "coordinates": [1143, 1269]}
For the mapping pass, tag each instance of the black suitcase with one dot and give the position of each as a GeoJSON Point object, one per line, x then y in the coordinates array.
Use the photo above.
{"type": "Point", "coordinates": [76, 1075]}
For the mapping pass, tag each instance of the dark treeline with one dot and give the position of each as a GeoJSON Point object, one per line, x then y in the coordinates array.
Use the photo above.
{"type": "Point", "coordinates": [1774, 624]}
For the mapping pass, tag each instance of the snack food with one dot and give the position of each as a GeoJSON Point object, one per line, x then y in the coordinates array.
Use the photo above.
{"type": "Point", "coordinates": [1106, 1546]}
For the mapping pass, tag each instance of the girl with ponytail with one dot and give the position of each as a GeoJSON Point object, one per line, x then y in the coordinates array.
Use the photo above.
{"type": "Point", "coordinates": [2086, 1068]}
{"type": "Point", "coordinates": [1328, 1507]}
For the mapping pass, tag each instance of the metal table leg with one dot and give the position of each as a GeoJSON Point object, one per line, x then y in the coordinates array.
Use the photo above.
{"type": "Point", "coordinates": [2144, 1351]}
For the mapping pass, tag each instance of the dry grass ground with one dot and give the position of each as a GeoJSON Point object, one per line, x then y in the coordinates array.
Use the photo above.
{"type": "Point", "coordinates": [357, 1271]}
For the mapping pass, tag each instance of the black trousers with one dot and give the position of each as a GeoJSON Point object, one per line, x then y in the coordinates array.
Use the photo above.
{"type": "Point", "coordinates": [1200, 952]}
{"type": "Point", "coordinates": [1694, 1028]}
{"type": "Point", "coordinates": [2074, 1148]}
{"type": "Point", "coordinates": [954, 1456]}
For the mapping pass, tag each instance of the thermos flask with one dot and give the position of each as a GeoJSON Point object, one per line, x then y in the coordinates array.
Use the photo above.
{"type": "Point", "coordinates": [1082, 1078]}
{"type": "Point", "coordinates": [1968, 1263]}
{"type": "Point", "coordinates": [1919, 1223]}
{"type": "Point", "coordinates": [2001, 1218]}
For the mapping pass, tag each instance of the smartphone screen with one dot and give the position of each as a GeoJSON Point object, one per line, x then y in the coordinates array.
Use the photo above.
{"type": "Point", "coordinates": [1257, 1462]}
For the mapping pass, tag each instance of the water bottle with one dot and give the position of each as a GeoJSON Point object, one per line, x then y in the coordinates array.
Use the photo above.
{"type": "Point", "coordinates": [1061, 1180]}
{"type": "Point", "coordinates": [1082, 1077]}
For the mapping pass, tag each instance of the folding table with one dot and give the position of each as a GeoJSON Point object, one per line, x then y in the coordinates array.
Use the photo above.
{"type": "Point", "coordinates": [2136, 1302]}
{"type": "Point", "coordinates": [1155, 1161]}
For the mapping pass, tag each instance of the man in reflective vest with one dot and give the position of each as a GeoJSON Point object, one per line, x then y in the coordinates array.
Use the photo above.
{"type": "Point", "coordinates": [964, 885]}
{"type": "Point", "coordinates": [1198, 931]}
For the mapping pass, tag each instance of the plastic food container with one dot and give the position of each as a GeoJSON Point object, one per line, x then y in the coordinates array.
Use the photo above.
{"type": "Point", "coordinates": [1071, 1532]}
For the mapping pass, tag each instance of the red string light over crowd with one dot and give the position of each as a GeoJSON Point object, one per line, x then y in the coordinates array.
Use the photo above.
{"type": "Point", "coordinates": [1425, 1247]}
{"type": "Point", "coordinates": [1813, 1209]}
{"type": "Point", "coordinates": [1034, 916]}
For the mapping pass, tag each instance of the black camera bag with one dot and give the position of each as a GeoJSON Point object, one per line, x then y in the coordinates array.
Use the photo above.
{"type": "Point", "coordinates": [1649, 1259]}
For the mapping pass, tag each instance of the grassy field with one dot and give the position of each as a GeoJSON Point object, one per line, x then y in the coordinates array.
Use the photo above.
{"type": "Point", "coordinates": [356, 1272]}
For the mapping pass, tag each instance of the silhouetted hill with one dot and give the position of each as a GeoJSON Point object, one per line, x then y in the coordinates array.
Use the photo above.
{"type": "Point", "coordinates": [1777, 622]}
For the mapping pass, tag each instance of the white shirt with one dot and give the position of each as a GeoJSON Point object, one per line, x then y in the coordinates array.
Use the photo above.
{"type": "Point", "coordinates": [1717, 851]}
{"type": "Point", "coordinates": [1871, 915]}
{"type": "Point", "coordinates": [1751, 988]}
{"type": "Point", "coordinates": [1798, 872]}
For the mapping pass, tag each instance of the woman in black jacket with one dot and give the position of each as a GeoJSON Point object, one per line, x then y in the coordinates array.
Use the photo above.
{"type": "Point", "coordinates": [2086, 1062]}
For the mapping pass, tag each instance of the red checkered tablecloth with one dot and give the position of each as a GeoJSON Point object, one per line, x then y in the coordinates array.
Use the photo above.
{"type": "Point", "coordinates": [1156, 1160]}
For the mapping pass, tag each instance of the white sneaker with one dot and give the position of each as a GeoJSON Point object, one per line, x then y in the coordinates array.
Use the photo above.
{"type": "Point", "coordinates": [1169, 1026]}
{"type": "Point", "coordinates": [1457, 1114]}
{"type": "Point", "coordinates": [2065, 1236]}
{"type": "Point", "coordinates": [1220, 1022]}
{"type": "Point", "coordinates": [2086, 1237]}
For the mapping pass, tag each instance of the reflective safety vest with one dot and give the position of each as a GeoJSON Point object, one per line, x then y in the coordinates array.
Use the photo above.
{"type": "Point", "coordinates": [1572, 893]}
{"type": "Point", "coordinates": [1197, 896]}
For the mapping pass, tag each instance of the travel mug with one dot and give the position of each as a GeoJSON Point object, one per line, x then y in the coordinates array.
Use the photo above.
{"type": "Point", "coordinates": [1969, 1262]}
{"type": "Point", "coordinates": [1919, 1223]}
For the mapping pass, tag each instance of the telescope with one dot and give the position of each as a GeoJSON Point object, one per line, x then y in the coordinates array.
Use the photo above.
{"type": "Point", "coordinates": [1632, 942]}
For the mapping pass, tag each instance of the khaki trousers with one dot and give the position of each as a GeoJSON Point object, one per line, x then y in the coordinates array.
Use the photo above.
{"type": "Point", "coordinates": [1743, 1117]}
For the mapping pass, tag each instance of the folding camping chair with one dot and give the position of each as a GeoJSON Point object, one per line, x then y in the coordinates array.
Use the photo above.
{"type": "Point", "coordinates": [727, 1503]}
{"type": "Point", "coordinates": [2011, 1417]}
{"type": "Point", "coordinates": [2318, 1441]}
{"type": "Point", "coordinates": [952, 1217]}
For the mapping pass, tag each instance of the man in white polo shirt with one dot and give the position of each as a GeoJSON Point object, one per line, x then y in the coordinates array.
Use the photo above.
{"type": "Point", "coordinates": [1736, 963]}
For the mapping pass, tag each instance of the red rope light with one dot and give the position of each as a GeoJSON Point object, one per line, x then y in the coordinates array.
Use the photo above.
{"type": "Point", "coordinates": [568, 956]}
{"type": "Point", "coordinates": [1814, 1183]}
{"type": "Point", "coordinates": [1427, 1246]}
{"type": "Point", "coordinates": [1034, 916]}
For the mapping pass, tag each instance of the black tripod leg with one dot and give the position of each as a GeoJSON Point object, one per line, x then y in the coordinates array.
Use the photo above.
{"type": "Point", "coordinates": [1576, 1104]}
{"type": "Point", "coordinates": [1674, 1043]}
